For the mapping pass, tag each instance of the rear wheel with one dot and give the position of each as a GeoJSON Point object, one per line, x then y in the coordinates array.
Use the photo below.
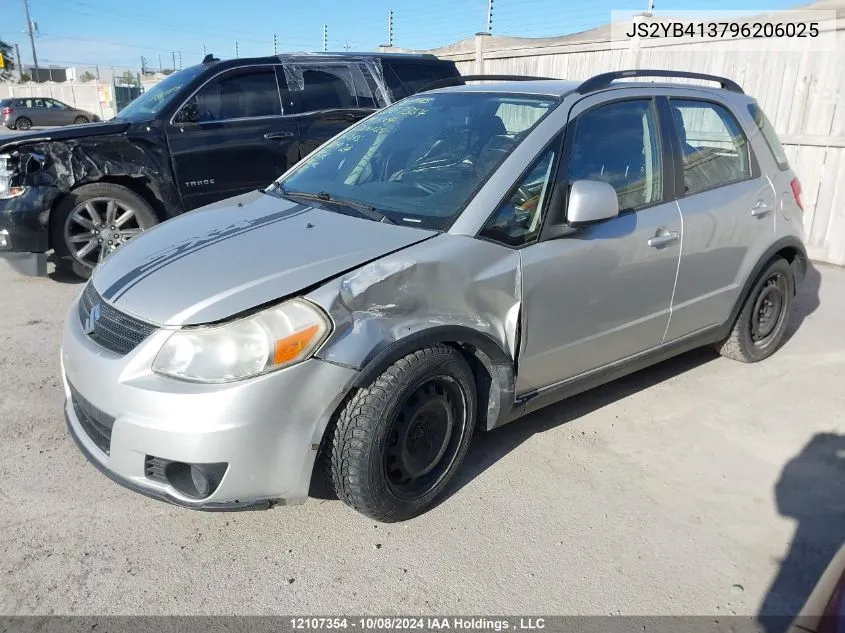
{"type": "Point", "coordinates": [95, 220]}
{"type": "Point", "coordinates": [399, 441]}
{"type": "Point", "coordinates": [23, 123]}
{"type": "Point", "coordinates": [761, 325]}
{"type": "Point", "coordinates": [80, 120]}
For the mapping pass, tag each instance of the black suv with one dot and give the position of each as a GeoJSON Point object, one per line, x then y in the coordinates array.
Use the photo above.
{"type": "Point", "coordinates": [205, 133]}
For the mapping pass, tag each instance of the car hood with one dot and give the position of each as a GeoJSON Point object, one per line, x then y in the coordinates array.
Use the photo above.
{"type": "Point", "coordinates": [223, 259]}
{"type": "Point", "coordinates": [66, 133]}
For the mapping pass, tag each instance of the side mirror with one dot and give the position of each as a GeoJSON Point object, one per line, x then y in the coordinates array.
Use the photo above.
{"type": "Point", "coordinates": [591, 201]}
{"type": "Point", "coordinates": [188, 113]}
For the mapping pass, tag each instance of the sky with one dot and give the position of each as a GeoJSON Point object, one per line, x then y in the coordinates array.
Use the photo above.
{"type": "Point", "coordinates": [108, 33]}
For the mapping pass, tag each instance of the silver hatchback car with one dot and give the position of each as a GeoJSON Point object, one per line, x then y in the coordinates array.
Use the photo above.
{"type": "Point", "coordinates": [449, 264]}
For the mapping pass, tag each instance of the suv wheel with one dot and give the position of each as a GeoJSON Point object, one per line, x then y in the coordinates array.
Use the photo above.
{"type": "Point", "coordinates": [94, 220]}
{"type": "Point", "coordinates": [761, 325]}
{"type": "Point", "coordinates": [22, 123]}
{"type": "Point", "coordinates": [400, 440]}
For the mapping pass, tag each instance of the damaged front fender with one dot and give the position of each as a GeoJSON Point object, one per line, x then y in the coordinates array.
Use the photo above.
{"type": "Point", "coordinates": [450, 289]}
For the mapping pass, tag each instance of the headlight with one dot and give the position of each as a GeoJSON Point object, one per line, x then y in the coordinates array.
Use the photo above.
{"type": "Point", "coordinates": [6, 178]}
{"type": "Point", "coordinates": [271, 339]}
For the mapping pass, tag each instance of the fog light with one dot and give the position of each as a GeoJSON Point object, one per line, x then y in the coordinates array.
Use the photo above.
{"type": "Point", "coordinates": [5, 242]}
{"type": "Point", "coordinates": [197, 481]}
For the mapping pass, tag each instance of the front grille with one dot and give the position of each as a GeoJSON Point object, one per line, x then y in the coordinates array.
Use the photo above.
{"type": "Point", "coordinates": [96, 424]}
{"type": "Point", "coordinates": [154, 468]}
{"type": "Point", "coordinates": [114, 330]}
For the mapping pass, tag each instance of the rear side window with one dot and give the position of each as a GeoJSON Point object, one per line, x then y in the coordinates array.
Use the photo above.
{"type": "Point", "coordinates": [404, 78]}
{"type": "Point", "coordinates": [714, 150]}
{"type": "Point", "coordinates": [762, 122]}
{"type": "Point", "coordinates": [325, 90]}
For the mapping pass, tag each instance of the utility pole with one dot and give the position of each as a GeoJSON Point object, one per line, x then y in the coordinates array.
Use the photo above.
{"type": "Point", "coordinates": [18, 61]}
{"type": "Point", "coordinates": [275, 51]}
{"type": "Point", "coordinates": [180, 60]}
{"type": "Point", "coordinates": [236, 50]}
{"type": "Point", "coordinates": [204, 52]}
{"type": "Point", "coordinates": [347, 46]}
{"type": "Point", "coordinates": [160, 67]}
{"type": "Point", "coordinates": [650, 7]}
{"type": "Point", "coordinates": [173, 55]}
{"type": "Point", "coordinates": [31, 37]}
{"type": "Point", "coordinates": [490, 16]}
{"type": "Point", "coordinates": [325, 37]}
{"type": "Point", "coordinates": [143, 65]}
{"type": "Point", "coordinates": [390, 27]}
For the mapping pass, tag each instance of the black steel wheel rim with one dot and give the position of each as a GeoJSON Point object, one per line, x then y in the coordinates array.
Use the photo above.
{"type": "Point", "coordinates": [98, 226]}
{"type": "Point", "coordinates": [768, 312]}
{"type": "Point", "coordinates": [425, 437]}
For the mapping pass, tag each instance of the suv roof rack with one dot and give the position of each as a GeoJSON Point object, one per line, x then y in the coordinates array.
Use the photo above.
{"type": "Point", "coordinates": [605, 79]}
{"type": "Point", "coordinates": [456, 81]}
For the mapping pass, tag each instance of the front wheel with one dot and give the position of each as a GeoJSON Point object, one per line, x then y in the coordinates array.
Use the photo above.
{"type": "Point", "coordinates": [81, 120]}
{"type": "Point", "coordinates": [95, 220]}
{"type": "Point", "coordinates": [399, 441]}
{"type": "Point", "coordinates": [761, 325]}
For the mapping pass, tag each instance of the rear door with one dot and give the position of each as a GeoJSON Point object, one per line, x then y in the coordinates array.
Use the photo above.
{"type": "Point", "coordinates": [232, 136]}
{"type": "Point", "coordinates": [727, 203]}
{"type": "Point", "coordinates": [327, 98]}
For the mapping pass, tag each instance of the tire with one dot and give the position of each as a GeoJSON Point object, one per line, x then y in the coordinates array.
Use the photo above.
{"type": "Point", "coordinates": [399, 441]}
{"type": "Point", "coordinates": [22, 123]}
{"type": "Point", "coordinates": [81, 120]}
{"type": "Point", "coordinates": [73, 228]}
{"type": "Point", "coordinates": [761, 325]}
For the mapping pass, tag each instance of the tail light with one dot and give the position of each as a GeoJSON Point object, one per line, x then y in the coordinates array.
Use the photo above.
{"type": "Point", "coordinates": [796, 192]}
{"type": "Point", "coordinates": [6, 111]}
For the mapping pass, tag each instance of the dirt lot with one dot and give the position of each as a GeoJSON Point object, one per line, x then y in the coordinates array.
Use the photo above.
{"type": "Point", "coordinates": [701, 486]}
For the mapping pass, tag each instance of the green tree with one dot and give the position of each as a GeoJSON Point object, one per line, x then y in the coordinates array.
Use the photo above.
{"type": "Point", "coordinates": [25, 78]}
{"type": "Point", "coordinates": [9, 60]}
{"type": "Point", "coordinates": [87, 76]}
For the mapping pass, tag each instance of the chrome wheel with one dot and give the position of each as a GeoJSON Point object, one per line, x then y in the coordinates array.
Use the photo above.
{"type": "Point", "coordinates": [98, 226]}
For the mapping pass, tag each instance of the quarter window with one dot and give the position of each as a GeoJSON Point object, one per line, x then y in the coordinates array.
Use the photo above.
{"type": "Point", "coordinates": [517, 222]}
{"type": "Point", "coordinates": [714, 150]}
{"type": "Point", "coordinates": [244, 95]}
{"type": "Point", "coordinates": [619, 144]}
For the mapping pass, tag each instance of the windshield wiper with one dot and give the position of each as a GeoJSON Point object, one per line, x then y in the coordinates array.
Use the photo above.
{"type": "Point", "coordinates": [367, 210]}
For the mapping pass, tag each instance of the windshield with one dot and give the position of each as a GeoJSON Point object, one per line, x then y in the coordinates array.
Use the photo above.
{"type": "Point", "coordinates": [420, 161]}
{"type": "Point", "coordinates": [149, 104]}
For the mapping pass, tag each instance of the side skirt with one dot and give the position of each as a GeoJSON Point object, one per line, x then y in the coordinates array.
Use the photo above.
{"type": "Point", "coordinates": [545, 396]}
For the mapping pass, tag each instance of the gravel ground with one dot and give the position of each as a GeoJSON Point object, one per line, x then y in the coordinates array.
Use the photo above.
{"type": "Point", "coordinates": [700, 486]}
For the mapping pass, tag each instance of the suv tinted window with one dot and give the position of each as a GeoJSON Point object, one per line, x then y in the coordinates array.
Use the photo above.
{"type": "Point", "coordinates": [714, 150]}
{"type": "Point", "coordinates": [243, 95]}
{"type": "Point", "coordinates": [619, 143]}
{"type": "Point", "coordinates": [325, 90]}
{"type": "Point", "coordinates": [404, 78]}
{"type": "Point", "coordinates": [771, 138]}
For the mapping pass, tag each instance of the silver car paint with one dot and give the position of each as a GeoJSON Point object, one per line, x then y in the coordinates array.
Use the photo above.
{"type": "Point", "coordinates": [42, 116]}
{"type": "Point", "coordinates": [260, 248]}
{"type": "Point", "coordinates": [555, 309]}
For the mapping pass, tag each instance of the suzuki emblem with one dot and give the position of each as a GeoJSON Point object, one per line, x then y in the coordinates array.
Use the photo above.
{"type": "Point", "coordinates": [93, 317]}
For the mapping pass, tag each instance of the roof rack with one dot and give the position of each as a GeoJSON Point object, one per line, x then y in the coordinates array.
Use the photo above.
{"type": "Point", "coordinates": [457, 81]}
{"type": "Point", "coordinates": [604, 80]}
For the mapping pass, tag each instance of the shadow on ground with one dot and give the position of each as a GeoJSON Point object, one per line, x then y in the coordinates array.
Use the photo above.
{"type": "Point", "coordinates": [811, 490]}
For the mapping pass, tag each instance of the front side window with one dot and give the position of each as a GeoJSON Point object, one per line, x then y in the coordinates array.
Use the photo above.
{"type": "Point", "coordinates": [619, 144]}
{"type": "Point", "coordinates": [420, 161]}
{"type": "Point", "coordinates": [714, 150]}
{"type": "Point", "coordinates": [237, 96]}
{"type": "Point", "coordinates": [517, 222]}
{"type": "Point", "coordinates": [154, 100]}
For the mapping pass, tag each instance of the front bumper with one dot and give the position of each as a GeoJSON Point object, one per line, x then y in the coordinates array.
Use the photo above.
{"type": "Point", "coordinates": [25, 220]}
{"type": "Point", "coordinates": [266, 429]}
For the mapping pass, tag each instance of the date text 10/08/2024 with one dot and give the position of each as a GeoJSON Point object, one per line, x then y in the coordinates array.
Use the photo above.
{"type": "Point", "coordinates": [419, 623]}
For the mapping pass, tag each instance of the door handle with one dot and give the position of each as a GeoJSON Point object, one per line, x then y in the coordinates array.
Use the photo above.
{"type": "Point", "coordinates": [761, 208]}
{"type": "Point", "coordinates": [275, 136]}
{"type": "Point", "coordinates": [663, 238]}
